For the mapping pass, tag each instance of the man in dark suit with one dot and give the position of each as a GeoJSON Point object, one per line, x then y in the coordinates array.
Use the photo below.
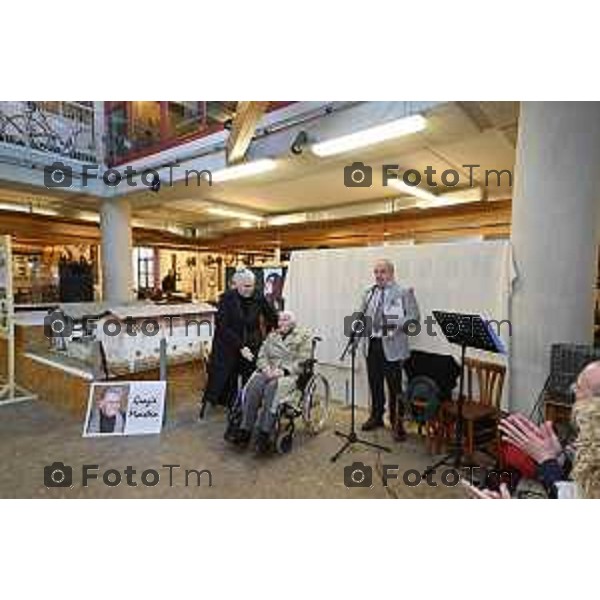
{"type": "Point", "coordinates": [243, 320]}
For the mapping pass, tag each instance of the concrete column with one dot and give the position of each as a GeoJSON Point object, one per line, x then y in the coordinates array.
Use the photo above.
{"type": "Point", "coordinates": [555, 216]}
{"type": "Point", "coordinates": [115, 224]}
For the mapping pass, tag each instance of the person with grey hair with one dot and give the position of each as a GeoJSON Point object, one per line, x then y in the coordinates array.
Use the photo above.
{"type": "Point", "coordinates": [242, 322]}
{"type": "Point", "coordinates": [280, 362]}
{"type": "Point", "coordinates": [108, 416]}
{"type": "Point", "coordinates": [387, 308]}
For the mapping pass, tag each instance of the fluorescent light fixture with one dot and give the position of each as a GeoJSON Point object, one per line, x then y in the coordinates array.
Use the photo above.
{"type": "Point", "coordinates": [174, 230]}
{"type": "Point", "coordinates": [429, 200]}
{"type": "Point", "coordinates": [413, 190]}
{"type": "Point", "coordinates": [88, 216]}
{"type": "Point", "coordinates": [141, 223]}
{"type": "Point", "coordinates": [233, 214]}
{"type": "Point", "coordinates": [14, 207]}
{"type": "Point", "coordinates": [373, 135]}
{"type": "Point", "coordinates": [443, 201]}
{"type": "Point", "coordinates": [50, 212]}
{"type": "Point", "coordinates": [255, 167]}
{"type": "Point", "coordinates": [287, 219]}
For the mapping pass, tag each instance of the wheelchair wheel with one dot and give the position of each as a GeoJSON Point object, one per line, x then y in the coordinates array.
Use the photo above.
{"type": "Point", "coordinates": [316, 403]}
{"type": "Point", "coordinates": [284, 443]}
{"type": "Point", "coordinates": [284, 436]}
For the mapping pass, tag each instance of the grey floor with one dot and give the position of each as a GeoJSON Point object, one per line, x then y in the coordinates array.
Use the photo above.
{"type": "Point", "coordinates": [34, 435]}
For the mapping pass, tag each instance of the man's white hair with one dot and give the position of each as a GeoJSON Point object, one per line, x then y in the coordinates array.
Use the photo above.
{"type": "Point", "coordinates": [242, 275]}
{"type": "Point", "coordinates": [289, 314]}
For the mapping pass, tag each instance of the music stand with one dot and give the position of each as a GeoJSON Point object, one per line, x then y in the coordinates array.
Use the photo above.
{"type": "Point", "coordinates": [466, 331]}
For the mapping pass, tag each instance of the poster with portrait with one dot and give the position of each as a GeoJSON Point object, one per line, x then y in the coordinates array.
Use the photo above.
{"type": "Point", "coordinates": [125, 408]}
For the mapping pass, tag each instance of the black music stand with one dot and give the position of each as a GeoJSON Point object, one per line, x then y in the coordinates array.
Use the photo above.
{"type": "Point", "coordinates": [466, 331]}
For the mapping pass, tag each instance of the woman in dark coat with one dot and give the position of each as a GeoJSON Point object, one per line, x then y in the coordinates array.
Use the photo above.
{"type": "Point", "coordinates": [243, 320]}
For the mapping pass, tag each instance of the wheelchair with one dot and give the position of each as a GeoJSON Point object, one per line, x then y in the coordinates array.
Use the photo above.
{"type": "Point", "coordinates": [309, 401]}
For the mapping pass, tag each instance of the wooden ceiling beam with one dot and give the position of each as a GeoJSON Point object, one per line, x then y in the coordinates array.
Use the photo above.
{"type": "Point", "coordinates": [490, 219]}
{"type": "Point", "coordinates": [247, 116]}
{"type": "Point", "coordinates": [466, 219]}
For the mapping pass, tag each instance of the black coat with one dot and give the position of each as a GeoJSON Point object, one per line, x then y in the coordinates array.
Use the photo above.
{"type": "Point", "coordinates": [239, 322]}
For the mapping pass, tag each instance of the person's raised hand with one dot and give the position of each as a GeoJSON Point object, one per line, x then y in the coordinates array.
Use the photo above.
{"type": "Point", "coordinates": [538, 442]}
{"type": "Point", "coordinates": [486, 494]}
{"type": "Point", "coordinates": [552, 438]}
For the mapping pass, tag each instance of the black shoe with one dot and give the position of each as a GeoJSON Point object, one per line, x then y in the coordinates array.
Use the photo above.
{"type": "Point", "coordinates": [242, 438]}
{"type": "Point", "coordinates": [372, 423]}
{"type": "Point", "coordinates": [231, 433]}
{"type": "Point", "coordinates": [399, 433]}
{"type": "Point", "coordinates": [203, 410]}
{"type": "Point", "coordinates": [263, 442]}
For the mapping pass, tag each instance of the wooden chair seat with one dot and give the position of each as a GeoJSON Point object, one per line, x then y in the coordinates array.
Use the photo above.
{"type": "Point", "coordinates": [472, 411]}
{"type": "Point", "coordinates": [481, 410]}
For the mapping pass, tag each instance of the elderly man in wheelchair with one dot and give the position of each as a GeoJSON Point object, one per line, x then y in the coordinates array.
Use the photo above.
{"type": "Point", "coordinates": [283, 387]}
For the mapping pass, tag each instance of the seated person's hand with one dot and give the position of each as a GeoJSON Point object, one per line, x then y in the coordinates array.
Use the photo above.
{"type": "Point", "coordinates": [538, 442]}
{"type": "Point", "coordinates": [247, 353]}
{"type": "Point", "coordinates": [486, 494]}
{"type": "Point", "coordinates": [272, 372]}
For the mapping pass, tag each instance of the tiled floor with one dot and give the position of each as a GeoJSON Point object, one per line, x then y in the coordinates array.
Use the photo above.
{"type": "Point", "coordinates": [34, 435]}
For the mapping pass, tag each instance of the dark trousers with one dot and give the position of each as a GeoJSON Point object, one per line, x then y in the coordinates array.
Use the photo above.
{"type": "Point", "coordinates": [260, 392]}
{"type": "Point", "coordinates": [243, 369]}
{"type": "Point", "coordinates": [379, 370]}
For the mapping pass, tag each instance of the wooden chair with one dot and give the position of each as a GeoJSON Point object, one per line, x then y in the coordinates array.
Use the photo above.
{"type": "Point", "coordinates": [481, 410]}
{"type": "Point", "coordinates": [431, 429]}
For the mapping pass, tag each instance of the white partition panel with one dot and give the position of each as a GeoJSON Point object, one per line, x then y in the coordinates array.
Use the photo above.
{"type": "Point", "coordinates": [324, 286]}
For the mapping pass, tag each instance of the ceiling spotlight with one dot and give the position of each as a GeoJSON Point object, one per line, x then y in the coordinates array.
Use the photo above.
{"type": "Point", "coordinates": [299, 143]}
{"type": "Point", "coordinates": [155, 185]}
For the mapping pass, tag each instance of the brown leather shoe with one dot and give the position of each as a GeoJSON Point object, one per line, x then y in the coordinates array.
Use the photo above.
{"type": "Point", "coordinates": [398, 432]}
{"type": "Point", "coordinates": [372, 423]}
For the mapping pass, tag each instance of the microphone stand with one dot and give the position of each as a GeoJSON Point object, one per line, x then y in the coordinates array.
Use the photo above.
{"type": "Point", "coordinates": [351, 437]}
